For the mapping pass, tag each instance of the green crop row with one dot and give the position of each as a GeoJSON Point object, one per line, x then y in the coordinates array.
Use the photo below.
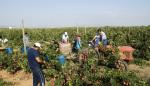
{"type": "Point", "coordinates": [137, 37]}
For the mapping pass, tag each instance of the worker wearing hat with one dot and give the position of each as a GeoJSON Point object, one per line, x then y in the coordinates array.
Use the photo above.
{"type": "Point", "coordinates": [35, 63]}
{"type": "Point", "coordinates": [65, 38]}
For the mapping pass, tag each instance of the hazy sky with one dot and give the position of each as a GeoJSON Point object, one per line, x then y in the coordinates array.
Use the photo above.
{"type": "Point", "coordinates": [45, 13]}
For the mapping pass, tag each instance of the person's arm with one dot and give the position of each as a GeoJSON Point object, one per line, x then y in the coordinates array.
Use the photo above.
{"type": "Point", "coordinates": [39, 60]}
{"type": "Point", "coordinates": [93, 38]}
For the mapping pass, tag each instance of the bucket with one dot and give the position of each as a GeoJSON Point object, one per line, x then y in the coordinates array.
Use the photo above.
{"type": "Point", "coordinates": [46, 58]}
{"type": "Point", "coordinates": [9, 50]}
{"type": "Point", "coordinates": [61, 59]}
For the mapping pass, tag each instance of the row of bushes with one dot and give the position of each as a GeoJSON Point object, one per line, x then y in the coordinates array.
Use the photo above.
{"type": "Point", "coordinates": [137, 37]}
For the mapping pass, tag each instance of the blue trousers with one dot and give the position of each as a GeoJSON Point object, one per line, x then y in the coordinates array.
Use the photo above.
{"type": "Point", "coordinates": [38, 77]}
{"type": "Point", "coordinates": [105, 42]}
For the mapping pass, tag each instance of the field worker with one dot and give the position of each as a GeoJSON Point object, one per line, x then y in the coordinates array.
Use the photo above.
{"type": "Point", "coordinates": [77, 44]}
{"type": "Point", "coordinates": [96, 41]}
{"type": "Point", "coordinates": [25, 42]}
{"type": "Point", "coordinates": [103, 38]}
{"type": "Point", "coordinates": [65, 38]}
{"type": "Point", "coordinates": [26, 39]}
{"type": "Point", "coordinates": [35, 63]}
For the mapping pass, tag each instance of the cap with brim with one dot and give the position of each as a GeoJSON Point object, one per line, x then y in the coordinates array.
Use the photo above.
{"type": "Point", "coordinates": [37, 45]}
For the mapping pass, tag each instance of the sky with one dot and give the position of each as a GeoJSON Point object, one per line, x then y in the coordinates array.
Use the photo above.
{"type": "Point", "coordinates": [62, 13]}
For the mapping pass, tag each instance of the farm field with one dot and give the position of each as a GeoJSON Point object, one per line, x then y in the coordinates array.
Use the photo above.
{"type": "Point", "coordinates": [91, 73]}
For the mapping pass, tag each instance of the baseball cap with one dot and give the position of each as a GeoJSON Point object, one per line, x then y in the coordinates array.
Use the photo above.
{"type": "Point", "coordinates": [37, 44]}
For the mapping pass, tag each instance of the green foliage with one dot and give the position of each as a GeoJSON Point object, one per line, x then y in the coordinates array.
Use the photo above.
{"type": "Point", "coordinates": [140, 62]}
{"type": "Point", "coordinates": [3, 83]}
{"type": "Point", "coordinates": [120, 78]}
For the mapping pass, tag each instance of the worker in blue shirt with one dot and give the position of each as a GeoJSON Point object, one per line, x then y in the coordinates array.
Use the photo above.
{"type": "Point", "coordinates": [77, 44]}
{"type": "Point", "coordinates": [35, 63]}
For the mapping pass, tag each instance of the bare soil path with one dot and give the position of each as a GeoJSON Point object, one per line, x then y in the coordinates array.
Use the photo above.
{"type": "Point", "coordinates": [141, 71]}
{"type": "Point", "coordinates": [19, 79]}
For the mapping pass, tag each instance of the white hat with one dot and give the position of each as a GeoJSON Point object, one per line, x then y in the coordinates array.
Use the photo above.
{"type": "Point", "coordinates": [37, 44]}
{"type": "Point", "coordinates": [66, 33]}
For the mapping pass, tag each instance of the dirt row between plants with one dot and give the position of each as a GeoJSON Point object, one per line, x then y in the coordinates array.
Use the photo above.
{"type": "Point", "coordinates": [141, 71]}
{"type": "Point", "coordinates": [19, 79]}
{"type": "Point", "coordinates": [25, 79]}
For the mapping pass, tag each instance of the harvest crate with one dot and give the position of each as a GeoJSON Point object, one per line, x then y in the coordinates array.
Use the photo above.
{"type": "Point", "coordinates": [65, 48]}
{"type": "Point", "coordinates": [126, 53]}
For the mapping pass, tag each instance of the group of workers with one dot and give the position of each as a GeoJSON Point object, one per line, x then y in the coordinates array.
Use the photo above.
{"type": "Point", "coordinates": [35, 61]}
{"type": "Point", "coordinates": [100, 39]}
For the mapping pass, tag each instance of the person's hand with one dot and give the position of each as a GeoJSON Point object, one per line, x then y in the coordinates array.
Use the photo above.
{"type": "Point", "coordinates": [44, 62]}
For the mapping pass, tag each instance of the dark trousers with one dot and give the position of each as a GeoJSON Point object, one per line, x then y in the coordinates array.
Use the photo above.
{"type": "Point", "coordinates": [38, 77]}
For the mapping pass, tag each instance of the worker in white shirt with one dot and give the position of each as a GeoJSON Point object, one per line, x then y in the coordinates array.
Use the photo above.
{"type": "Point", "coordinates": [103, 38]}
{"type": "Point", "coordinates": [65, 38]}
